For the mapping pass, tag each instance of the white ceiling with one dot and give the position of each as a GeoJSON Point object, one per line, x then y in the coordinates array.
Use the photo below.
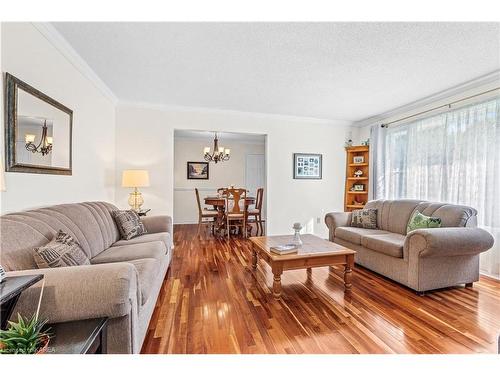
{"type": "Point", "coordinates": [223, 136]}
{"type": "Point", "coordinates": [344, 71]}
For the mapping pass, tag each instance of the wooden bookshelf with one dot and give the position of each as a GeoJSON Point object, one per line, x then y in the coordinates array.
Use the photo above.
{"type": "Point", "coordinates": [356, 199]}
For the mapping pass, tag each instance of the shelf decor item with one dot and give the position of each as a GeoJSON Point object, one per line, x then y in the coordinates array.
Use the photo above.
{"type": "Point", "coordinates": [358, 187]}
{"type": "Point", "coordinates": [357, 177]}
{"type": "Point", "coordinates": [135, 178]}
{"type": "Point", "coordinates": [307, 166]}
{"type": "Point", "coordinates": [358, 159]}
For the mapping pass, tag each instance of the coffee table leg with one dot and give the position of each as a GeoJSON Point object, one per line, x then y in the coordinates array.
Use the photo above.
{"type": "Point", "coordinates": [254, 259]}
{"type": "Point", "coordinates": [348, 272]}
{"type": "Point", "coordinates": [277, 282]}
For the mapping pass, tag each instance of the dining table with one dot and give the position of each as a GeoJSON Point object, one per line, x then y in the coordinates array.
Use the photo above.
{"type": "Point", "coordinates": [219, 204]}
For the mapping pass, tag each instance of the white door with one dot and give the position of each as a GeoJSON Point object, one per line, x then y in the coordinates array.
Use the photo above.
{"type": "Point", "coordinates": [255, 173]}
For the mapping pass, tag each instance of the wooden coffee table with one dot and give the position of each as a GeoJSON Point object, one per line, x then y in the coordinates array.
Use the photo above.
{"type": "Point", "coordinates": [315, 252]}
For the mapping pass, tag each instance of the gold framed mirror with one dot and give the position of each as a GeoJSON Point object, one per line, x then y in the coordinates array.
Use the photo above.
{"type": "Point", "coordinates": [38, 131]}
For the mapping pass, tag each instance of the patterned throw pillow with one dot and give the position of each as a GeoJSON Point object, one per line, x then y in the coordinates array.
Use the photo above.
{"type": "Point", "coordinates": [62, 251]}
{"type": "Point", "coordinates": [419, 221]}
{"type": "Point", "coordinates": [129, 224]}
{"type": "Point", "coordinates": [364, 218]}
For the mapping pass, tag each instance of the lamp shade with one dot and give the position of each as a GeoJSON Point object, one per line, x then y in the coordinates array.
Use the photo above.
{"type": "Point", "coordinates": [135, 178]}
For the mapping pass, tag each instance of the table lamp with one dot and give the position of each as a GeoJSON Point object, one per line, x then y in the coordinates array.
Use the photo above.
{"type": "Point", "coordinates": [135, 178]}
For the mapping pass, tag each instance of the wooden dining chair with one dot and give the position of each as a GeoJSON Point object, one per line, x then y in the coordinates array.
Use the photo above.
{"type": "Point", "coordinates": [203, 213]}
{"type": "Point", "coordinates": [256, 212]}
{"type": "Point", "coordinates": [236, 210]}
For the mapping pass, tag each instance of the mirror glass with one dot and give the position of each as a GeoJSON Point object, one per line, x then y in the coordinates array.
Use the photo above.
{"type": "Point", "coordinates": [32, 115]}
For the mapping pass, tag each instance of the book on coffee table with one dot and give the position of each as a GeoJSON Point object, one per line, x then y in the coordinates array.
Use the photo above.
{"type": "Point", "coordinates": [284, 249]}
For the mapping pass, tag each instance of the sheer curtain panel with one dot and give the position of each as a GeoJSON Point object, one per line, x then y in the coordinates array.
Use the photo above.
{"type": "Point", "coordinates": [450, 157]}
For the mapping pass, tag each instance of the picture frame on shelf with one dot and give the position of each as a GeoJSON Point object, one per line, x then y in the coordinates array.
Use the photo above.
{"type": "Point", "coordinates": [307, 166]}
{"type": "Point", "coordinates": [358, 187]}
{"type": "Point", "coordinates": [358, 159]}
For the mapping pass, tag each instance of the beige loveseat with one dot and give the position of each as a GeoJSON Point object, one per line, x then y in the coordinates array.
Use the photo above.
{"type": "Point", "coordinates": [122, 282]}
{"type": "Point", "coordinates": [423, 259]}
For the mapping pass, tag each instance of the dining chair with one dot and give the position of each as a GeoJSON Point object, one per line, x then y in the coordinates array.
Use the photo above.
{"type": "Point", "coordinates": [203, 213]}
{"type": "Point", "coordinates": [236, 210]}
{"type": "Point", "coordinates": [257, 212]}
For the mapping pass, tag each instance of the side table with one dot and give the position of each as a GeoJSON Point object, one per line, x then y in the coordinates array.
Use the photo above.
{"type": "Point", "coordinates": [10, 290]}
{"type": "Point", "coordinates": [87, 336]}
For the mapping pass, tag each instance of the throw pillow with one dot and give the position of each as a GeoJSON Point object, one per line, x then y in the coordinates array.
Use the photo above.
{"type": "Point", "coordinates": [364, 218]}
{"type": "Point", "coordinates": [419, 221]}
{"type": "Point", "coordinates": [129, 224]}
{"type": "Point", "coordinates": [62, 251]}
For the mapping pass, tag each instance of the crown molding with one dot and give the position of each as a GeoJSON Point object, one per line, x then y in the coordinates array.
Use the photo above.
{"type": "Point", "coordinates": [224, 141]}
{"type": "Point", "coordinates": [57, 40]}
{"type": "Point", "coordinates": [275, 116]}
{"type": "Point", "coordinates": [480, 82]}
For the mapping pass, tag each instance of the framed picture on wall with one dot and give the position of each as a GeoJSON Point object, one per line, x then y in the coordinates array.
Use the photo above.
{"type": "Point", "coordinates": [197, 170]}
{"type": "Point", "coordinates": [307, 166]}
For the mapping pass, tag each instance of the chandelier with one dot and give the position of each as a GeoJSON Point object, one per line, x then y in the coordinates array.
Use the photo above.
{"type": "Point", "coordinates": [45, 145]}
{"type": "Point", "coordinates": [218, 154]}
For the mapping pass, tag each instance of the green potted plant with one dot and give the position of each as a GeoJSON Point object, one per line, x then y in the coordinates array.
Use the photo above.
{"type": "Point", "coordinates": [27, 336]}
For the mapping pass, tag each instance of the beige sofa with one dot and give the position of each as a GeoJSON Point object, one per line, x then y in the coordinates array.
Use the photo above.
{"type": "Point", "coordinates": [423, 259]}
{"type": "Point", "coordinates": [122, 282]}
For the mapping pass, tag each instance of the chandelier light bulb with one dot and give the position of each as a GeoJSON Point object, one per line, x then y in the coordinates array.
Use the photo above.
{"type": "Point", "coordinates": [29, 138]}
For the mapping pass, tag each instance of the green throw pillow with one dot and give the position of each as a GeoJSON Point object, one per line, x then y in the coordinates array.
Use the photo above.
{"type": "Point", "coordinates": [419, 221]}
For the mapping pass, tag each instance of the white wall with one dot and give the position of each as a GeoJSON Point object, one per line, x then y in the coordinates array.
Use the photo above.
{"type": "Point", "coordinates": [220, 175]}
{"type": "Point", "coordinates": [145, 139]}
{"type": "Point", "coordinates": [361, 129]}
{"type": "Point", "coordinates": [29, 56]}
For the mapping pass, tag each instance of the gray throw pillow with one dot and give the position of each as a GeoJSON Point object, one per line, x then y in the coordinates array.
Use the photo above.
{"type": "Point", "coordinates": [62, 251]}
{"type": "Point", "coordinates": [129, 224]}
{"type": "Point", "coordinates": [364, 218]}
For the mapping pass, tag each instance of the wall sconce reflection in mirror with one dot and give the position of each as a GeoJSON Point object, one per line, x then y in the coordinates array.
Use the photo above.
{"type": "Point", "coordinates": [33, 120]}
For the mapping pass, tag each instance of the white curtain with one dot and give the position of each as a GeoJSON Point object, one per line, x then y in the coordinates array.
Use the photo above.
{"type": "Point", "coordinates": [451, 157]}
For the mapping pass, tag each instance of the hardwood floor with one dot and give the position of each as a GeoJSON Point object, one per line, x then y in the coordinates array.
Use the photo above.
{"type": "Point", "coordinates": [212, 302]}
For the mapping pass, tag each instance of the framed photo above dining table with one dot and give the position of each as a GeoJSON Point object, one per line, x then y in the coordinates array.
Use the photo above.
{"type": "Point", "coordinates": [307, 166]}
{"type": "Point", "coordinates": [197, 170]}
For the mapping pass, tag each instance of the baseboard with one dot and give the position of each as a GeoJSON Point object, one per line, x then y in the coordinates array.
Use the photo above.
{"type": "Point", "coordinates": [489, 275]}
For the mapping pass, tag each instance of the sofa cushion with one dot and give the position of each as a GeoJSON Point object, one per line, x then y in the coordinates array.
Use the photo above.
{"type": "Point", "coordinates": [393, 215]}
{"type": "Point", "coordinates": [354, 235]}
{"type": "Point", "coordinates": [364, 218]}
{"type": "Point", "coordinates": [150, 237]}
{"type": "Point", "coordinates": [62, 251]}
{"type": "Point", "coordinates": [129, 224]}
{"type": "Point", "coordinates": [125, 253]}
{"type": "Point", "coordinates": [420, 221]}
{"type": "Point", "coordinates": [147, 272]}
{"type": "Point", "coordinates": [388, 244]}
